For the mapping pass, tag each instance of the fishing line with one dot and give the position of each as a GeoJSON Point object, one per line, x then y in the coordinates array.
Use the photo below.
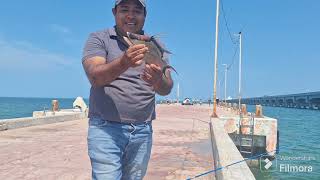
{"type": "Point", "coordinates": [237, 162]}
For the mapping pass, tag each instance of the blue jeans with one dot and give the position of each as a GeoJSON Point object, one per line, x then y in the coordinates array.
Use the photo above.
{"type": "Point", "coordinates": [119, 151]}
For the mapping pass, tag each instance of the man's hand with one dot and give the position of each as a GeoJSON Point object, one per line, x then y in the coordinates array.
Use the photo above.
{"type": "Point", "coordinates": [134, 55]}
{"type": "Point", "coordinates": [153, 75]}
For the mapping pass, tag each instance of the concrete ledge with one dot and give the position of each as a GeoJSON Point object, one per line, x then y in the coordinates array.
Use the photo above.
{"type": "Point", "coordinates": [265, 126]}
{"type": "Point", "coordinates": [7, 124]}
{"type": "Point", "coordinates": [226, 153]}
{"type": "Point", "coordinates": [55, 113]}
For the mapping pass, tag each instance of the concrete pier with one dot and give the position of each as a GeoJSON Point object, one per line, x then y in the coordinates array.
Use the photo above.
{"type": "Point", "coordinates": [182, 148]}
{"type": "Point", "coordinates": [309, 100]}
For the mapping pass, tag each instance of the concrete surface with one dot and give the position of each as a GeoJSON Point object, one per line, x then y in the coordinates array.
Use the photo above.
{"type": "Point", "coordinates": [52, 151]}
{"type": "Point", "coordinates": [226, 153]}
{"type": "Point", "coordinates": [6, 124]}
{"type": "Point", "coordinates": [57, 151]}
{"type": "Point", "coordinates": [263, 126]}
{"type": "Point", "coordinates": [181, 147]}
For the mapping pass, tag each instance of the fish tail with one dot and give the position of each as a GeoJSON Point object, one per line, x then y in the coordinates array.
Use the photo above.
{"type": "Point", "coordinates": [167, 51]}
{"type": "Point", "coordinates": [168, 67]}
{"type": "Point", "coordinates": [152, 39]}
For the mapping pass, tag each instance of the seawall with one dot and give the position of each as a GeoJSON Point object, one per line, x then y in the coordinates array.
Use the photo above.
{"type": "Point", "coordinates": [41, 118]}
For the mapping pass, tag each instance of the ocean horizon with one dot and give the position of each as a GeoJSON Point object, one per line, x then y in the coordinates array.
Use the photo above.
{"type": "Point", "coordinates": [19, 107]}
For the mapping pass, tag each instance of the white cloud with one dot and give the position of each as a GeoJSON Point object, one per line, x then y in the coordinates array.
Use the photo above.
{"type": "Point", "coordinates": [64, 33]}
{"type": "Point", "coordinates": [59, 29]}
{"type": "Point", "coordinates": [22, 55]}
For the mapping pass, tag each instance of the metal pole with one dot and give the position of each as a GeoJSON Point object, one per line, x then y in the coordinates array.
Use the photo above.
{"type": "Point", "coordinates": [214, 114]}
{"type": "Point", "coordinates": [240, 64]}
{"type": "Point", "coordinates": [225, 83]}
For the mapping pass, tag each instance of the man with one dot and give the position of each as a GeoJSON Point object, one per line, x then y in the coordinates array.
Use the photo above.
{"type": "Point", "coordinates": [122, 96]}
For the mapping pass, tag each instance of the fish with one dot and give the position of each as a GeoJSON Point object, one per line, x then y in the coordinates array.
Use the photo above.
{"type": "Point", "coordinates": [155, 51]}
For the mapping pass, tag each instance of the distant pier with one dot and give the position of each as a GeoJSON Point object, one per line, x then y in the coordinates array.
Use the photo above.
{"type": "Point", "coordinates": [310, 100]}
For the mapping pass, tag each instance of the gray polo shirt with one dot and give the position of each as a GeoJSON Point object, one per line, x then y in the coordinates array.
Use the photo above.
{"type": "Point", "coordinates": [128, 99]}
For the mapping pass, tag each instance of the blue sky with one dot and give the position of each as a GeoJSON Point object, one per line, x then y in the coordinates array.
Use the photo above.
{"type": "Point", "coordinates": [41, 45]}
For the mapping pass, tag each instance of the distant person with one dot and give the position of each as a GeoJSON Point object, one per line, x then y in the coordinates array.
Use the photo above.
{"type": "Point", "coordinates": [209, 101]}
{"type": "Point", "coordinates": [122, 96]}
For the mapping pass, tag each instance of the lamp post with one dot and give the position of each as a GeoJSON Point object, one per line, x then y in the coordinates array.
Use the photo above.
{"type": "Point", "coordinates": [240, 68]}
{"type": "Point", "coordinates": [214, 113]}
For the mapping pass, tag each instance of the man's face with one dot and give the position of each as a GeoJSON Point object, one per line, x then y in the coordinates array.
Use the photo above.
{"type": "Point", "coordinates": [129, 16]}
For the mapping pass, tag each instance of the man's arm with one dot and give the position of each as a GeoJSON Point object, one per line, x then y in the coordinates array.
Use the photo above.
{"type": "Point", "coordinates": [101, 73]}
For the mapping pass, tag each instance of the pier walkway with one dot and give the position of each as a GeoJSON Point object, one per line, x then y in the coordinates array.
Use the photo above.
{"type": "Point", "coordinates": [181, 148]}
